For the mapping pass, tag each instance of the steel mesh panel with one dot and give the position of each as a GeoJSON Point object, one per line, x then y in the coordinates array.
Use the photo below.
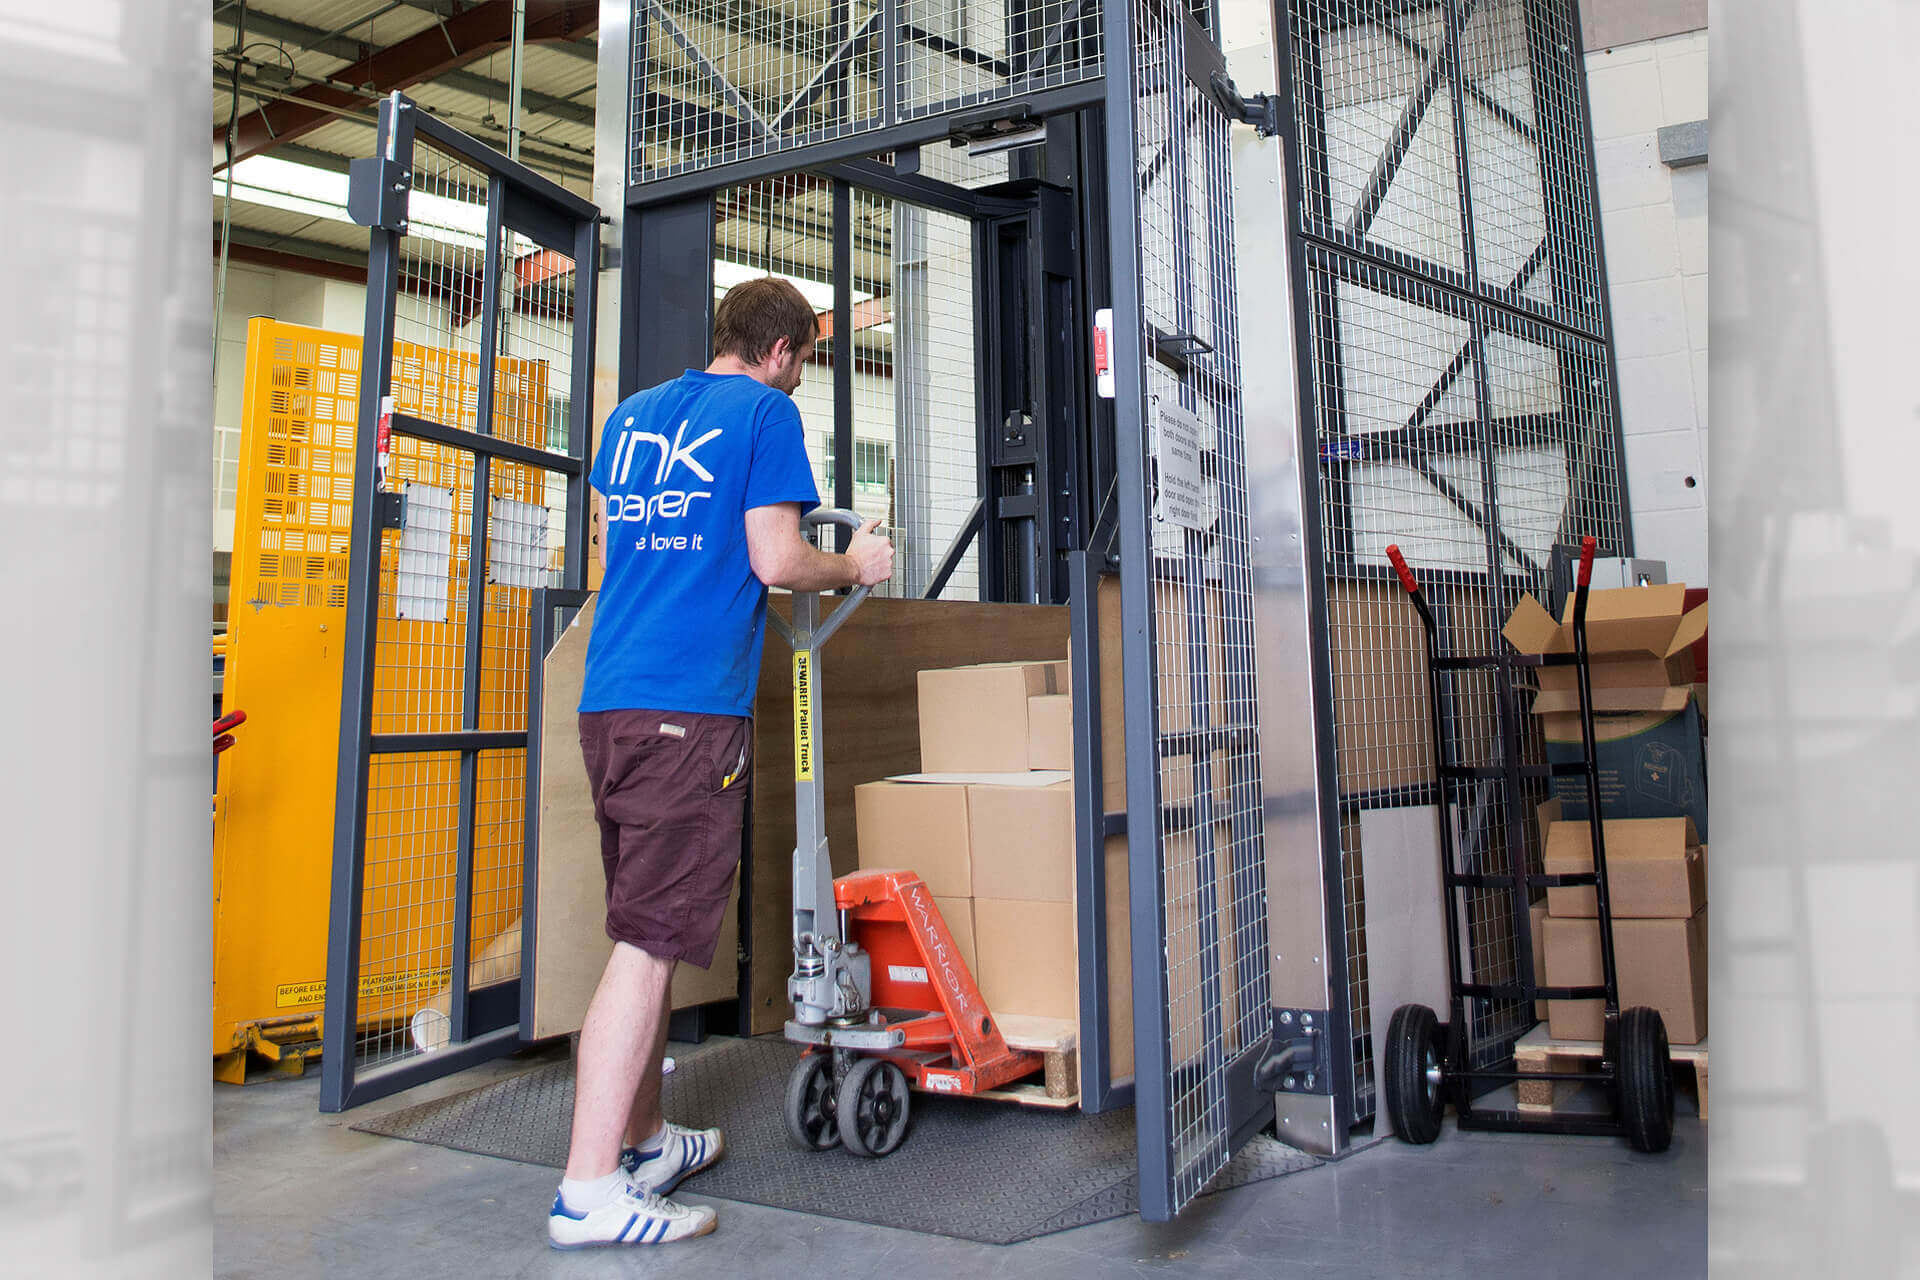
{"type": "Point", "coordinates": [407, 903]}
{"type": "Point", "coordinates": [451, 634]}
{"type": "Point", "coordinates": [716, 81]}
{"type": "Point", "coordinates": [960, 53]}
{"type": "Point", "coordinates": [1535, 220]}
{"type": "Point", "coordinates": [1212, 862]}
{"type": "Point", "coordinates": [935, 478]}
{"type": "Point", "coordinates": [911, 304]}
{"type": "Point", "coordinates": [1462, 408]}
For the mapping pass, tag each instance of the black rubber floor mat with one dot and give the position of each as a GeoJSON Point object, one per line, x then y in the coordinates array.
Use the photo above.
{"type": "Point", "coordinates": [987, 1171]}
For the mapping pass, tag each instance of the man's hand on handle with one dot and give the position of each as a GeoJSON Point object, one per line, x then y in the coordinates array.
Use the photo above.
{"type": "Point", "coordinates": [871, 554]}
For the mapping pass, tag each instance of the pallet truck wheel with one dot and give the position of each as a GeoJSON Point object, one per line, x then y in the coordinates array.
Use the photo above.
{"type": "Point", "coordinates": [873, 1107]}
{"type": "Point", "coordinates": [809, 1111]}
{"type": "Point", "coordinates": [1415, 1057]}
{"type": "Point", "coordinates": [1645, 1080]}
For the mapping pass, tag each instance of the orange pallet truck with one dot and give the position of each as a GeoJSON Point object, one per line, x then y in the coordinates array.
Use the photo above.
{"type": "Point", "coordinates": [881, 998]}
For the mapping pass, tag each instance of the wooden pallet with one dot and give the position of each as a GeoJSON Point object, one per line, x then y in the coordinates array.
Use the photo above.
{"type": "Point", "coordinates": [1539, 1051]}
{"type": "Point", "coordinates": [1058, 1040]}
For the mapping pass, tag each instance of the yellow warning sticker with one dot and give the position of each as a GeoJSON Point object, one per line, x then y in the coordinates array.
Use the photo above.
{"type": "Point", "coordinates": [292, 995]}
{"type": "Point", "coordinates": [803, 715]}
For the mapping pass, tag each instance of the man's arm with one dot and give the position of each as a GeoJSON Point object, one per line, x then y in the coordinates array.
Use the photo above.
{"type": "Point", "coordinates": [781, 557]}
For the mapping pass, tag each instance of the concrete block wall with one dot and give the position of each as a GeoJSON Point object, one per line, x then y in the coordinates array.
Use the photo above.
{"type": "Point", "coordinates": [1654, 220]}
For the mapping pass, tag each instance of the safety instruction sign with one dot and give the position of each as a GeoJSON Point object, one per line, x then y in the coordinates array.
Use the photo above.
{"type": "Point", "coordinates": [292, 995]}
{"type": "Point", "coordinates": [1176, 450]}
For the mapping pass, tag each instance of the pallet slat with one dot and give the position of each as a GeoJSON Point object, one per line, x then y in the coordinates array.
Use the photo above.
{"type": "Point", "coordinates": [1539, 1051]}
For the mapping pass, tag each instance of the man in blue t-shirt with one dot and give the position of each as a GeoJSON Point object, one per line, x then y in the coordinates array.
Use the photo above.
{"type": "Point", "coordinates": [700, 484]}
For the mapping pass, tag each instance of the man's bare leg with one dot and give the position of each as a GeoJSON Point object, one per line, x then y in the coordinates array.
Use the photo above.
{"type": "Point", "coordinates": [643, 1120]}
{"type": "Point", "coordinates": [620, 1044]}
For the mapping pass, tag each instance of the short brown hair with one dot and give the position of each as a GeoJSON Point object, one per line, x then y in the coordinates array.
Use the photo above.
{"type": "Point", "coordinates": [755, 314]}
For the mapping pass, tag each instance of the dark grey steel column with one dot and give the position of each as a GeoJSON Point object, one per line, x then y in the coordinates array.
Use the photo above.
{"type": "Point", "coordinates": [394, 140]}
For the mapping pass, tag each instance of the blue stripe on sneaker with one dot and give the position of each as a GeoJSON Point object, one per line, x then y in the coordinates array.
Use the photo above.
{"type": "Point", "coordinates": [658, 1238]}
{"type": "Point", "coordinates": [699, 1149]}
{"type": "Point", "coordinates": [633, 1218]}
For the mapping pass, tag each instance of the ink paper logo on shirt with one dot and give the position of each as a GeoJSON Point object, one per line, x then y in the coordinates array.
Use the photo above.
{"type": "Point", "coordinates": [669, 458]}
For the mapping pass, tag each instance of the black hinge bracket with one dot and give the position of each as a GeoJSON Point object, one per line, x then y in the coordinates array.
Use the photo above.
{"type": "Point", "coordinates": [389, 510]}
{"type": "Point", "coordinates": [377, 190]}
{"type": "Point", "coordinates": [1298, 1058]}
{"type": "Point", "coordinates": [1262, 110]}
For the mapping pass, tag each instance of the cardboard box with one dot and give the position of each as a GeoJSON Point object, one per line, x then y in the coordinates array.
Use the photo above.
{"type": "Point", "coordinates": [1630, 622]}
{"type": "Point", "coordinates": [958, 915]}
{"type": "Point", "coordinates": [916, 826]}
{"type": "Point", "coordinates": [1021, 841]}
{"type": "Point", "coordinates": [1654, 868]}
{"type": "Point", "coordinates": [974, 719]}
{"type": "Point", "coordinates": [1622, 671]}
{"type": "Point", "coordinates": [1050, 731]}
{"type": "Point", "coordinates": [1028, 957]}
{"type": "Point", "coordinates": [1661, 963]}
{"type": "Point", "coordinates": [1652, 765]}
{"type": "Point", "coordinates": [1537, 920]}
{"type": "Point", "coordinates": [1562, 706]}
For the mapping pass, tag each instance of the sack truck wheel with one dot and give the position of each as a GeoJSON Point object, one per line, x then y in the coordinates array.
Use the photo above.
{"type": "Point", "coordinates": [1645, 1080]}
{"type": "Point", "coordinates": [873, 1107]}
{"type": "Point", "coordinates": [809, 1113]}
{"type": "Point", "coordinates": [1415, 1070]}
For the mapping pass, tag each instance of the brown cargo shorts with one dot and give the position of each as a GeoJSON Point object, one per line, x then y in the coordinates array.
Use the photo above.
{"type": "Point", "coordinates": [670, 794]}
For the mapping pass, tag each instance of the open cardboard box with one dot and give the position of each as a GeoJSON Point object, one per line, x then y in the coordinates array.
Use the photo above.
{"type": "Point", "coordinates": [1637, 637]}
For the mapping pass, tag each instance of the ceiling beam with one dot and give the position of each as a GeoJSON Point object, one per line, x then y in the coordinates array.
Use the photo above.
{"type": "Point", "coordinates": [446, 46]}
{"type": "Point", "coordinates": [585, 50]}
{"type": "Point", "coordinates": [577, 165]}
{"type": "Point", "coordinates": [315, 40]}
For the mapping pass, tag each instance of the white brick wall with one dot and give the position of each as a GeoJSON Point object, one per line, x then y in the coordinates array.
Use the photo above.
{"type": "Point", "coordinates": [1654, 220]}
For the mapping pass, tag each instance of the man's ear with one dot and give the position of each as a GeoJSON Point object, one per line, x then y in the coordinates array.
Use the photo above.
{"type": "Point", "coordinates": [777, 354]}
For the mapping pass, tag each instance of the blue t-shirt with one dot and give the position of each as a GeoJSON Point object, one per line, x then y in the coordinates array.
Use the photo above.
{"type": "Point", "coordinates": [681, 617]}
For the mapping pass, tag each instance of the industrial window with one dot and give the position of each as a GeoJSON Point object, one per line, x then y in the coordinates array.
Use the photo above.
{"type": "Point", "coordinates": [872, 462]}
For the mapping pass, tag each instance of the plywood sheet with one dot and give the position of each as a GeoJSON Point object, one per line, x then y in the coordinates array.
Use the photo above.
{"type": "Point", "coordinates": [570, 944]}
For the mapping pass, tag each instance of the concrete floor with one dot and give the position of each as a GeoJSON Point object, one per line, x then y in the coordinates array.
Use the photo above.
{"type": "Point", "coordinates": [296, 1193]}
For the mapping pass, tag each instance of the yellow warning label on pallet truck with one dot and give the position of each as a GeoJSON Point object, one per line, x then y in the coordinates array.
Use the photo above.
{"type": "Point", "coordinates": [291, 995]}
{"type": "Point", "coordinates": [803, 715]}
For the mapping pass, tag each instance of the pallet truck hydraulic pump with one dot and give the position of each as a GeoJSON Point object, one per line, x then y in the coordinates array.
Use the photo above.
{"type": "Point", "coordinates": [881, 998]}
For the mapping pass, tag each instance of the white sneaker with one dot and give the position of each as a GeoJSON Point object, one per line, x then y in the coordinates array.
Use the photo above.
{"type": "Point", "coordinates": [632, 1217]}
{"type": "Point", "coordinates": [682, 1152]}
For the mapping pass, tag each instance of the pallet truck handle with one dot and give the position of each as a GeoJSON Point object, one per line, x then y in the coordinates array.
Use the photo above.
{"type": "Point", "coordinates": [1399, 563]}
{"type": "Point", "coordinates": [230, 721]}
{"type": "Point", "coordinates": [1587, 546]}
{"type": "Point", "coordinates": [817, 518]}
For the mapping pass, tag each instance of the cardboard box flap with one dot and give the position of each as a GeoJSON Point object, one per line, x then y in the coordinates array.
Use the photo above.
{"type": "Point", "coordinates": [1570, 843]}
{"type": "Point", "coordinates": [1625, 620]}
{"type": "Point", "coordinates": [1531, 629]}
{"type": "Point", "coordinates": [1032, 778]}
{"type": "Point", "coordinates": [1550, 702]}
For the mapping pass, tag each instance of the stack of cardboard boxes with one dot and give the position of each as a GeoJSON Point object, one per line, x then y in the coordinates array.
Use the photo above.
{"type": "Point", "coordinates": [988, 825]}
{"type": "Point", "coordinates": [1650, 740]}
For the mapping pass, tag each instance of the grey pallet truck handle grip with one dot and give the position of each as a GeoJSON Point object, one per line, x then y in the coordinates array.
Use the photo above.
{"type": "Point", "coordinates": [835, 515]}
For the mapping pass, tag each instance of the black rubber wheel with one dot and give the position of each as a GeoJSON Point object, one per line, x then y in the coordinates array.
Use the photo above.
{"type": "Point", "coordinates": [1645, 1080]}
{"type": "Point", "coordinates": [809, 1112]}
{"type": "Point", "coordinates": [874, 1107]}
{"type": "Point", "coordinates": [1414, 1072]}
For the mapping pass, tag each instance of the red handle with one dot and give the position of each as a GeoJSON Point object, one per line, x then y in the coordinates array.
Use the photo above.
{"type": "Point", "coordinates": [231, 720]}
{"type": "Point", "coordinates": [1399, 563]}
{"type": "Point", "coordinates": [1586, 561]}
{"type": "Point", "coordinates": [222, 742]}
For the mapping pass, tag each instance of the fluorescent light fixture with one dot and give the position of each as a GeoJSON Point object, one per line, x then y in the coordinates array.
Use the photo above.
{"type": "Point", "coordinates": [274, 183]}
